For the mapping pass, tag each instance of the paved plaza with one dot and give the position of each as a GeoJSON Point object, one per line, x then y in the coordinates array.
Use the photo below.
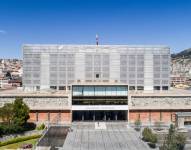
{"type": "Point", "coordinates": [110, 136]}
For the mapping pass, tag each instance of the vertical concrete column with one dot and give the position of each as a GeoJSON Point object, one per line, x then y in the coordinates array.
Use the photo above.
{"type": "Point", "coordinates": [94, 116]}
{"type": "Point", "coordinates": [148, 70]}
{"type": "Point", "coordinates": [115, 116]}
{"type": "Point", "coordinates": [79, 66]}
{"type": "Point", "coordinates": [104, 116]}
{"type": "Point", "coordinates": [82, 117]}
{"type": "Point", "coordinates": [66, 88]}
{"type": "Point", "coordinates": [114, 66]}
{"type": "Point", "coordinates": [181, 122]}
{"type": "Point", "coordinates": [44, 71]}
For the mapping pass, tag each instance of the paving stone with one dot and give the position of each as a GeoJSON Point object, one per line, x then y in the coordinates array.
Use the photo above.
{"type": "Point", "coordinates": [116, 136]}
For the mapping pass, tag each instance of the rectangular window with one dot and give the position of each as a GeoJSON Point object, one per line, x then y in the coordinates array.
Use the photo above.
{"type": "Point", "coordinates": [97, 76]}
{"type": "Point", "coordinates": [156, 87]}
{"type": "Point", "coordinates": [53, 87]}
{"type": "Point", "coordinates": [131, 87]}
{"type": "Point", "coordinates": [165, 88]}
{"type": "Point", "coordinates": [62, 88]}
{"type": "Point", "coordinates": [140, 87]}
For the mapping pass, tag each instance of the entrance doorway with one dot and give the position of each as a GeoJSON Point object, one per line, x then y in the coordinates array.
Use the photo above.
{"type": "Point", "coordinates": [99, 115]}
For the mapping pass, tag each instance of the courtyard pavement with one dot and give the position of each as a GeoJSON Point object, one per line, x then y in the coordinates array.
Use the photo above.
{"type": "Point", "coordinates": [103, 136]}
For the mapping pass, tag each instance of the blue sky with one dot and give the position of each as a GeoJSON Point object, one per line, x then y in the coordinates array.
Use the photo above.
{"type": "Point", "coordinates": [166, 22]}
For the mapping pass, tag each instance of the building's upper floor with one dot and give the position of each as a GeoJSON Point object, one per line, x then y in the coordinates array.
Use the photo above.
{"type": "Point", "coordinates": [60, 66]}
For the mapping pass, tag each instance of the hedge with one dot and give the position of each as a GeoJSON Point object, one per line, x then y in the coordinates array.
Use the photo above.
{"type": "Point", "coordinates": [6, 129]}
{"type": "Point", "coordinates": [19, 139]}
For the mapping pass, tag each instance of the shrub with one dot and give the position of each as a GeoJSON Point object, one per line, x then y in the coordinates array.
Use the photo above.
{"type": "Point", "coordinates": [29, 126]}
{"type": "Point", "coordinates": [146, 134]}
{"type": "Point", "coordinates": [1, 130]}
{"type": "Point", "coordinates": [180, 141]}
{"type": "Point", "coordinates": [14, 128]}
{"type": "Point", "coordinates": [152, 145]}
{"type": "Point", "coordinates": [138, 125]}
{"type": "Point", "coordinates": [153, 140]}
{"type": "Point", "coordinates": [41, 127]}
{"type": "Point", "coordinates": [170, 140]}
{"type": "Point", "coordinates": [10, 129]}
{"type": "Point", "coordinates": [19, 139]}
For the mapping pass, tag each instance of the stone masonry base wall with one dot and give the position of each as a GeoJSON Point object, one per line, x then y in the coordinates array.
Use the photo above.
{"type": "Point", "coordinates": [52, 116]}
{"type": "Point", "coordinates": [152, 116]}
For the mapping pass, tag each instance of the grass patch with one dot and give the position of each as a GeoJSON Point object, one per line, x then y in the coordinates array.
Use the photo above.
{"type": "Point", "coordinates": [19, 144]}
{"type": "Point", "coordinates": [19, 139]}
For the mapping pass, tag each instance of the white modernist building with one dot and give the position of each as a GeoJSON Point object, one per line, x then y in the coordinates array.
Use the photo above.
{"type": "Point", "coordinates": [98, 77]}
{"type": "Point", "coordinates": [60, 66]}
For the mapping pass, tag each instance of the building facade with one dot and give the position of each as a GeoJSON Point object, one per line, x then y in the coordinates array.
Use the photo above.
{"type": "Point", "coordinates": [62, 108]}
{"type": "Point", "coordinates": [97, 78]}
{"type": "Point", "coordinates": [60, 66]}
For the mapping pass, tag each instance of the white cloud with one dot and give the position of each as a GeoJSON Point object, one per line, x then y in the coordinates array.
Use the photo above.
{"type": "Point", "coordinates": [2, 32]}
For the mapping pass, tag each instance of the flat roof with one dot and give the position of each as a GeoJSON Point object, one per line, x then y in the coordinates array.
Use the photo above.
{"type": "Point", "coordinates": [171, 92]}
{"type": "Point", "coordinates": [45, 93]}
{"type": "Point", "coordinates": [93, 45]}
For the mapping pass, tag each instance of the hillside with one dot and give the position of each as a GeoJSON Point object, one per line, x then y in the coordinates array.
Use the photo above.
{"type": "Point", "coordinates": [185, 53]}
{"type": "Point", "coordinates": [181, 63]}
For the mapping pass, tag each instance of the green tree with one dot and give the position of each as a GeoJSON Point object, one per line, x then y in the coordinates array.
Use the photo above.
{"type": "Point", "coordinates": [170, 142]}
{"type": "Point", "coordinates": [181, 141]}
{"type": "Point", "coordinates": [20, 112]}
{"type": "Point", "coordinates": [6, 113]}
